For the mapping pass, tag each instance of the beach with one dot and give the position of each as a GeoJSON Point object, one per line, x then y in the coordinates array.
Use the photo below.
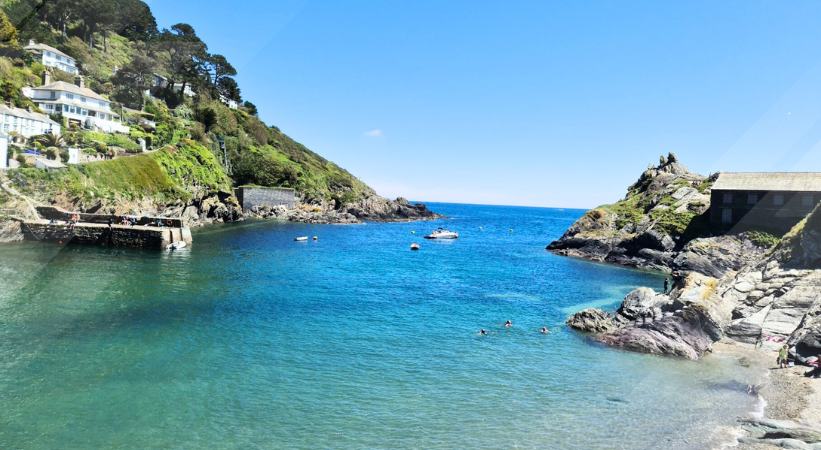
{"type": "Point", "coordinates": [785, 394]}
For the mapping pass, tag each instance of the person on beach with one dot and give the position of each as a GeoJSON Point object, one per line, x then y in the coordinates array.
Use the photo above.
{"type": "Point", "coordinates": [782, 357]}
{"type": "Point", "coordinates": [508, 324]}
{"type": "Point", "coordinates": [544, 330]}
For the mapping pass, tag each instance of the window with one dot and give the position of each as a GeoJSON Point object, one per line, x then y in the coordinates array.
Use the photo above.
{"type": "Point", "coordinates": [778, 199]}
{"type": "Point", "coordinates": [726, 215]}
{"type": "Point", "coordinates": [806, 200]}
{"type": "Point", "coordinates": [65, 108]}
{"type": "Point", "coordinates": [752, 199]}
{"type": "Point", "coordinates": [728, 198]}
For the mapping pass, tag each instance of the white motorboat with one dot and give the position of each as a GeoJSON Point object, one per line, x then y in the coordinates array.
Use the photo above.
{"type": "Point", "coordinates": [175, 245]}
{"type": "Point", "coordinates": [442, 233]}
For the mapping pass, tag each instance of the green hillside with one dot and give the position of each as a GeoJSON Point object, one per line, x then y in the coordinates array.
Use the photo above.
{"type": "Point", "coordinates": [201, 145]}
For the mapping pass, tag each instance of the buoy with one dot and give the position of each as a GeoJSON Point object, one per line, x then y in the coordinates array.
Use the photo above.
{"type": "Point", "coordinates": [414, 246]}
{"type": "Point", "coordinates": [316, 238]}
{"type": "Point", "coordinates": [413, 231]}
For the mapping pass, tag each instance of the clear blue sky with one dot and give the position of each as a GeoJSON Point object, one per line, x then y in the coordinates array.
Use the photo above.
{"type": "Point", "coordinates": [533, 103]}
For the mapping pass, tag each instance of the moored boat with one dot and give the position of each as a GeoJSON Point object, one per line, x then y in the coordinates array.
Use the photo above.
{"type": "Point", "coordinates": [442, 233]}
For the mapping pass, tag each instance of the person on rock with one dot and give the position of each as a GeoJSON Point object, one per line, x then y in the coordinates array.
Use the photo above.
{"type": "Point", "coordinates": [782, 357]}
{"type": "Point", "coordinates": [666, 285]}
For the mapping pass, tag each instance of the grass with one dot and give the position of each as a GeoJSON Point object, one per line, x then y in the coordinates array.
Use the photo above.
{"type": "Point", "coordinates": [763, 239]}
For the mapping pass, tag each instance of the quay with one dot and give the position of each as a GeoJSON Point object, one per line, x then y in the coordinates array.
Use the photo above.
{"type": "Point", "coordinates": [56, 225]}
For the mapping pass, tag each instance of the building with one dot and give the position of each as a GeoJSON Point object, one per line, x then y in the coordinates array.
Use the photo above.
{"type": "Point", "coordinates": [78, 104]}
{"type": "Point", "coordinates": [26, 123]}
{"type": "Point", "coordinates": [773, 201]}
{"type": "Point", "coordinates": [4, 151]}
{"type": "Point", "coordinates": [51, 57]}
{"type": "Point", "coordinates": [231, 103]}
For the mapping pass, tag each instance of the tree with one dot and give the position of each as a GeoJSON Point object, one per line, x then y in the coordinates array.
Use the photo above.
{"type": "Point", "coordinates": [186, 53]}
{"type": "Point", "coordinates": [250, 107]}
{"type": "Point", "coordinates": [133, 80]}
{"type": "Point", "coordinates": [229, 89]}
{"type": "Point", "coordinates": [50, 140]}
{"type": "Point", "coordinates": [8, 33]}
{"type": "Point", "coordinates": [135, 20]}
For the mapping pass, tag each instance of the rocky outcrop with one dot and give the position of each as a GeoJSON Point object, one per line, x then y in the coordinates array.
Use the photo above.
{"type": "Point", "coordinates": [657, 217]}
{"type": "Point", "coordinates": [716, 256]}
{"type": "Point", "coordinates": [592, 320]}
{"type": "Point", "coordinates": [372, 208]}
{"type": "Point", "coordinates": [772, 301]}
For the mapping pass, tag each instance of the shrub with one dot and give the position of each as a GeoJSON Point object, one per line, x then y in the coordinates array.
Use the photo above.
{"type": "Point", "coordinates": [763, 239]}
{"type": "Point", "coordinates": [52, 152]}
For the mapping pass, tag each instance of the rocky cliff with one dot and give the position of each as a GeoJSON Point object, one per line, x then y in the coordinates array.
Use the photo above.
{"type": "Point", "coordinates": [772, 300]}
{"type": "Point", "coordinates": [661, 224]}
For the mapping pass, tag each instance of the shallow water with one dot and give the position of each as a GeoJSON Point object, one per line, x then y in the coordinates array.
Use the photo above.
{"type": "Point", "coordinates": [250, 340]}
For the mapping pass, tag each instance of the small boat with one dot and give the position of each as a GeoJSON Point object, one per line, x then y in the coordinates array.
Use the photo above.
{"type": "Point", "coordinates": [175, 245]}
{"type": "Point", "coordinates": [415, 246]}
{"type": "Point", "coordinates": [301, 238]}
{"type": "Point", "coordinates": [442, 233]}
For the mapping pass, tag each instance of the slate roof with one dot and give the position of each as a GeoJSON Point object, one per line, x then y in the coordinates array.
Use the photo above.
{"type": "Point", "coordinates": [20, 112]}
{"type": "Point", "coordinates": [43, 47]}
{"type": "Point", "coordinates": [68, 87]}
{"type": "Point", "coordinates": [768, 181]}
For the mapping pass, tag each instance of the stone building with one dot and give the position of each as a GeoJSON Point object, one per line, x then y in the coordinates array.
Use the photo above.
{"type": "Point", "coordinates": [768, 201]}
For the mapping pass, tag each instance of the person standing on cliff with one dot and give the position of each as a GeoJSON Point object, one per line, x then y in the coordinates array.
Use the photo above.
{"type": "Point", "coordinates": [666, 284]}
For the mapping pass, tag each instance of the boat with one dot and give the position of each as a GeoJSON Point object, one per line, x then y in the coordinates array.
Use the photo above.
{"type": "Point", "coordinates": [442, 233]}
{"type": "Point", "coordinates": [301, 238]}
{"type": "Point", "coordinates": [414, 246]}
{"type": "Point", "coordinates": [175, 245]}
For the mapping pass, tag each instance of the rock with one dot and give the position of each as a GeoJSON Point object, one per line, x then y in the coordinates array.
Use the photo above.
{"type": "Point", "coordinates": [641, 303]}
{"type": "Point", "coordinates": [591, 320]}
{"type": "Point", "coordinates": [10, 231]}
{"type": "Point", "coordinates": [687, 334]}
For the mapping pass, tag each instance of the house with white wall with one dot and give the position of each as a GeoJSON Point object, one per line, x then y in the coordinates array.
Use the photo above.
{"type": "Point", "coordinates": [26, 123]}
{"type": "Point", "coordinates": [78, 104]}
{"type": "Point", "coordinates": [51, 57]}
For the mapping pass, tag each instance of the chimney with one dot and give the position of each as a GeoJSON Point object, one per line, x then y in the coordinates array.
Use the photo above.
{"type": "Point", "coordinates": [80, 81]}
{"type": "Point", "coordinates": [46, 77]}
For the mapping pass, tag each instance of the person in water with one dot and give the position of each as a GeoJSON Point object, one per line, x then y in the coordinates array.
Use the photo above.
{"type": "Point", "coordinates": [544, 330]}
{"type": "Point", "coordinates": [482, 332]}
{"type": "Point", "coordinates": [782, 357]}
{"type": "Point", "coordinates": [508, 324]}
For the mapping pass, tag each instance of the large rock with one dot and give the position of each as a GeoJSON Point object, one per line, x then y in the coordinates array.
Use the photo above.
{"type": "Point", "coordinates": [591, 320]}
{"type": "Point", "coordinates": [642, 303]}
{"type": "Point", "coordinates": [716, 256]}
{"type": "Point", "coordinates": [688, 333]}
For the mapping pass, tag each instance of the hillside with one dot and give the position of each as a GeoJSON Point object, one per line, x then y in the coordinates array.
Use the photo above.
{"type": "Point", "coordinates": [194, 120]}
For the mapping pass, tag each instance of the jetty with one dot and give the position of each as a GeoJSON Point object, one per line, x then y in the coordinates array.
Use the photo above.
{"type": "Point", "coordinates": [57, 225]}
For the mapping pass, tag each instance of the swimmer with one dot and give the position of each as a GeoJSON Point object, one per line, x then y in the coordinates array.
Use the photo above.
{"type": "Point", "coordinates": [544, 330]}
{"type": "Point", "coordinates": [482, 332]}
{"type": "Point", "coordinates": [508, 324]}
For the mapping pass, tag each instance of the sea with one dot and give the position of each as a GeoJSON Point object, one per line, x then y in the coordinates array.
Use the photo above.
{"type": "Point", "coordinates": [250, 340]}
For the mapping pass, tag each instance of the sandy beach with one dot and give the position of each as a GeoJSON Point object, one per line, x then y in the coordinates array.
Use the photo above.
{"type": "Point", "coordinates": [787, 395]}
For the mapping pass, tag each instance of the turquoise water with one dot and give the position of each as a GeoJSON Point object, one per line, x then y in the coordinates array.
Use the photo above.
{"type": "Point", "coordinates": [250, 340]}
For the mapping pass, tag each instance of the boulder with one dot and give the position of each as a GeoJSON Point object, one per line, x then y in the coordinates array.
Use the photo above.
{"type": "Point", "coordinates": [591, 320]}
{"type": "Point", "coordinates": [641, 303]}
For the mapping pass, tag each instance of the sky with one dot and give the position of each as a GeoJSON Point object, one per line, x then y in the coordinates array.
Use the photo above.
{"type": "Point", "coordinates": [539, 103]}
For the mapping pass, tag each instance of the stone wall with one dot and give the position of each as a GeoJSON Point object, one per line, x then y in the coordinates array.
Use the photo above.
{"type": "Point", "coordinates": [52, 213]}
{"type": "Point", "coordinates": [253, 196]}
{"type": "Point", "coordinates": [98, 234]}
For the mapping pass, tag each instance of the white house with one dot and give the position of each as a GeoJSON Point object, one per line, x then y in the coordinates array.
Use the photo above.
{"type": "Point", "coordinates": [78, 104]}
{"type": "Point", "coordinates": [229, 102]}
{"type": "Point", "coordinates": [4, 151]}
{"type": "Point", "coordinates": [51, 57]}
{"type": "Point", "coordinates": [26, 123]}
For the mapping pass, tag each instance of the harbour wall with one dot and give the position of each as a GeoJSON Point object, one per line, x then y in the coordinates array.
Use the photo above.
{"type": "Point", "coordinates": [99, 234]}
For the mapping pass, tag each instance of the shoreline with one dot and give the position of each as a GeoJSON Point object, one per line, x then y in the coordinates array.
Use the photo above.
{"type": "Point", "coordinates": [785, 395]}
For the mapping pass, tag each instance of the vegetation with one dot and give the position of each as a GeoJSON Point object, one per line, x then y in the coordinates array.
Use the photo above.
{"type": "Point", "coordinates": [763, 239]}
{"type": "Point", "coordinates": [205, 146]}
